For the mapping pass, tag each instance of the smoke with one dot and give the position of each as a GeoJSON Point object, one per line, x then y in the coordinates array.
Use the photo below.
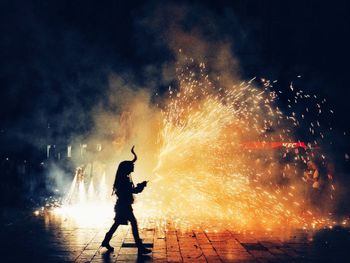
{"type": "Point", "coordinates": [58, 179]}
{"type": "Point", "coordinates": [187, 120]}
{"type": "Point", "coordinates": [130, 113]}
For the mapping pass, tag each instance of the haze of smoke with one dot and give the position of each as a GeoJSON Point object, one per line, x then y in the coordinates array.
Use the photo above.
{"type": "Point", "coordinates": [130, 117]}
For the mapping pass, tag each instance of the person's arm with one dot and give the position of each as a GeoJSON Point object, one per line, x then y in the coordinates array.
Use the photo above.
{"type": "Point", "coordinates": [139, 188]}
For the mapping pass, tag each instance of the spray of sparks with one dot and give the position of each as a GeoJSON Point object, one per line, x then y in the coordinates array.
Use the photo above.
{"type": "Point", "coordinates": [205, 175]}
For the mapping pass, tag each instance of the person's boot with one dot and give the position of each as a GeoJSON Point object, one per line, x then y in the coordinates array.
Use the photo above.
{"type": "Point", "coordinates": [141, 248]}
{"type": "Point", "coordinates": [105, 243]}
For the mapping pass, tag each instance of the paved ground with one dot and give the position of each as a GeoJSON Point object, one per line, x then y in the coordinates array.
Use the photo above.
{"type": "Point", "coordinates": [29, 238]}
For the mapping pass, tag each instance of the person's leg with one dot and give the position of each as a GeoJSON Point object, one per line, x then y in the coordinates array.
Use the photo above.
{"type": "Point", "coordinates": [135, 229]}
{"type": "Point", "coordinates": [135, 232]}
{"type": "Point", "coordinates": [112, 229]}
{"type": "Point", "coordinates": [109, 235]}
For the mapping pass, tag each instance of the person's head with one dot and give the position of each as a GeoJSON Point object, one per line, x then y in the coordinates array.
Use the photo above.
{"type": "Point", "coordinates": [126, 167]}
{"type": "Point", "coordinates": [311, 165]}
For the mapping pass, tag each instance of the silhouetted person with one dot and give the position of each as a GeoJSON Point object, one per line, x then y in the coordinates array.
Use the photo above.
{"type": "Point", "coordinates": [124, 188]}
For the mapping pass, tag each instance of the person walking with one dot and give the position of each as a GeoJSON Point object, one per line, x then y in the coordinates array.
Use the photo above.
{"type": "Point", "coordinates": [124, 188]}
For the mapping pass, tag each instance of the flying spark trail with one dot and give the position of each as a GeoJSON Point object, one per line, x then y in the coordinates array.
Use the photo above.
{"type": "Point", "coordinates": [214, 164]}
{"type": "Point", "coordinates": [204, 176]}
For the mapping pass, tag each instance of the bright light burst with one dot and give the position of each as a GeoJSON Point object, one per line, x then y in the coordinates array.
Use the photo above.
{"type": "Point", "coordinates": [87, 209]}
{"type": "Point", "coordinates": [203, 175]}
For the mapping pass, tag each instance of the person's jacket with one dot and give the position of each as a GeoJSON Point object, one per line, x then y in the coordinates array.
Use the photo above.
{"type": "Point", "coordinates": [125, 189]}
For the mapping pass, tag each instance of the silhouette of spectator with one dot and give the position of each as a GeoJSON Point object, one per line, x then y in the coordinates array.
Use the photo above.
{"type": "Point", "coordinates": [124, 188]}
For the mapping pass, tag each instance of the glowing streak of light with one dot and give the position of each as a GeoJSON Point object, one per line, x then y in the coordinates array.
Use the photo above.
{"type": "Point", "coordinates": [82, 192]}
{"type": "Point", "coordinates": [91, 190]}
{"type": "Point", "coordinates": [103, 188]}
{"type": "Point", "coordinates": [202, 176]}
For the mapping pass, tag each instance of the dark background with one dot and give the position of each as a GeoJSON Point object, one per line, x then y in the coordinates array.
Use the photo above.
{"type": "Point", "coordinates": [56, 57]}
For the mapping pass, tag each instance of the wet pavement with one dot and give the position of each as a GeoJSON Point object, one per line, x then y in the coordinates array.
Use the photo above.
{"type": "Point", "coordinates": [26, 237]}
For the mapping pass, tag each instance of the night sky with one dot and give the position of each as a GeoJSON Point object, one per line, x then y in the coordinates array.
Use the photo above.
{"type": "Point", "coordinates": [56, 56]}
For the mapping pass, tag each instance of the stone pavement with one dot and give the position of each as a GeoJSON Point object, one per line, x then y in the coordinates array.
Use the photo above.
{"type": "Point", "coordinates": [29, 238]}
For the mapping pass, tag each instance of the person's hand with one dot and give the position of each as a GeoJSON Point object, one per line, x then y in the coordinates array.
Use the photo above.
{"type": "Point", "coordinates": [142, 185]}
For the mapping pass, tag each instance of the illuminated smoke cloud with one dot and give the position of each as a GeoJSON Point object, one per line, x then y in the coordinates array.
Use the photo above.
{"type": "Point", "coordinates": [190, 140]}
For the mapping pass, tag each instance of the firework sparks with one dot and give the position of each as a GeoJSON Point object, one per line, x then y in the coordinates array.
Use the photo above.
{"type": "Point", "coordinates": [205, 175]}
